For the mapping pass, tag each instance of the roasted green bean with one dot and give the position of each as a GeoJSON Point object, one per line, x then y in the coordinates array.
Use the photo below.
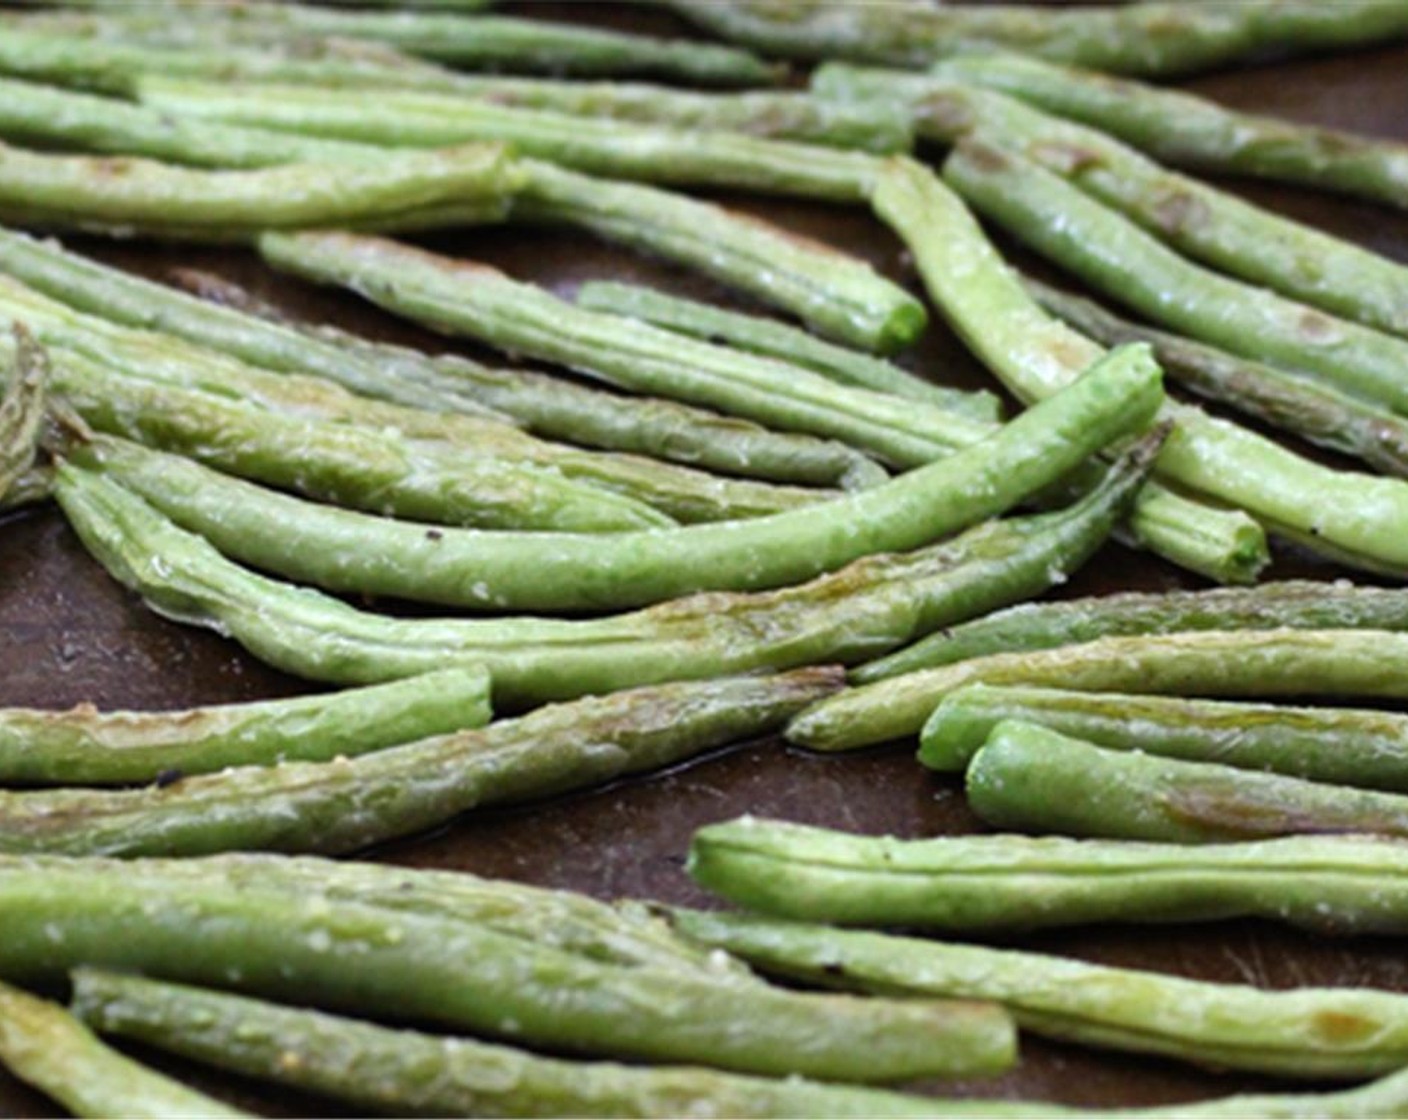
{"type": "Point", "coordinates": [1331, 663]}
{"type": "Point", "coordinates": [86, 747]}
{"type": "Point", "coordinates": [1034, 355]}
{"type": "Point", "coordinates": [1356, 747]}
{"type": "Point", "coordinates": [21, 410]}
{"type": "Point", "coordinates": [1027, 778]}
{"type": "Point", "coordinates": [870, 605]}
{"type": "Point", "coordinates": [535, 571]}
{"type": "Point", "coordinates": [1185, 129]}
{"type": "Point", "coordinates": [45, 1046]}
{"type": "Point", "coordinates": [60, 913]}
{"type": "Point", "coordinates": [1307, 1032]}
{"type": "Point", "coordinates": [777, 340]}
{"type": "Point", "coordinates": [985, 884]}
{"type": "Point", "coordinates": [1297, 604]}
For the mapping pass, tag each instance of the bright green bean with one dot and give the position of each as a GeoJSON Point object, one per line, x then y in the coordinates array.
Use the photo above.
{"type": "Point", "coordinates": [777, 340]}
{"type": "Point", "coordinates": [1305, 1032]}
{"type": "Point", "coordinates": [653, 153]}
{"type": "Point", "coordinates": [1188, 130]}
{"type": "Point", "coordinates": [868, 606]}
{"type": "Point", "coordinates": [45, 1046]}
{"type": "Point", "coordinates": [86, 747]}
{"type": "Point", "coordinates": [1233, 663]}
{"type": "Point", "coordinates": [1298, 604]}
{"type": "Point", "coordinates": [60, 913]}
{"type": "Point", "coordinates": [983, 884]}
{"type": "Point", "coordinates": [536, 571]}
{"type": "Point", "coordinates": [1356, 747]}
{"type": "Point", "coordinates": [1027, 778]}
{"type": "Point", "coordinates": [1034, 355]}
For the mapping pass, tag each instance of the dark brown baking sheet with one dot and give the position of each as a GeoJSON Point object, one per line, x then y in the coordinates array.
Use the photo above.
{"type": "Point", "coordinates": [69, 634]}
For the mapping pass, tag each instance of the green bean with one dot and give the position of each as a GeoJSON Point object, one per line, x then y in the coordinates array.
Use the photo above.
{"type": "Point", "coordinates": [1188, 130]}
{"type": "Point", "coordinates": [1323, 416]}
{"type": "Point", "coordinates": [1305, 1033]}
{"type": "Point", "coordinates": [595, 571]}
{"type": "Point", "coordinates": [86, 747]}
{"type": "Point", "coordinates": [1356, 747]}
{"type": "Point", "coordinates": [346, 804]}
{"type": "Point", "coordinates": [45, 1046]}
{"type": "Point", "coordinates": [777, 340]}
{"type": "Point", "coordinates": [1209, 663]}
{"type": "Point", "coordinates": [1147, 38]}
{"type": "Point", "coordinates": [622, 933]}
{"type": "Point", "coordinates": [1030, 779]}
{"type": "Point", "coordinates": [21, 410]}
{"type": "Point", "coordinates": [833, 293]}
{"type": "Point", "coordinates": [122, 195]}
{"type": "Point", "coordinates": [1135, 268]}
{"type": "Point", "coordinates": [982, 884]}
{"type": "Point", "coordinates": [463, 297]}
{"type": "Point", "coordinates": [159, 358]}
{"type": "Point", "coordinates": [1199, 220]}
{"type": "Point", "coordinates": [59, 913]}
{"type": "Point", "coordinates": [401, 1072]}
{"type": "Point", "coordinates": [870, 605]}
{"type": "Point", "coordinates": [653, 153]}
{"type": "Point", "coordinates": [480, 41]}
{"type": "Point", "coordinates": [1297, 604]}
{"type": "Point", "coordinates": [547, 404]}
{"type": "Point", "coordinates": [1034, 355]}
{"type": "Point", "coordinates": [1288, 493]}
{"type": "Point", "coordinates": [35, 485]}
{"type": "Point", "coordinates": [837, 293]}
{"type": "Point", "coordinates": [354, 466]}
{"type": "Point", "coordinates": [75, 58]}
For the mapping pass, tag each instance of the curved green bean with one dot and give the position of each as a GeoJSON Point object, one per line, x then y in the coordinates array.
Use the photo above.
{"type": "Point", "coordinates": [1149, 38]}
{"type": "Point", "coordinates": [86, 747]}
{"type": "Point", "coordinates": [1305, 1032]}
{"type": "Point", "coordinates": [549, 405]}
{"type": "Point", "coordinates": [620, 149]}
{"type": "Point", "coordinates": [778, 340]}
{"type": "Point", "coordinates": [537, 571]}
{"type": "Point", "coordinates": [1209, 663]}
{"type": "Point", "coordinates": [45, 1046]}
{"type": "Point", "coordinates": [60, 913]}
{"type": "Point", "coordinates": [466, 298]}
{"type": "Point", "coordinates": [1355, 747]}
{"type": "Point", "coordinates": [1315, 412]}
{"type": "Point", "coordinates": [1034, 355]}
{"type": "Point", "coordinates": [120, 195]}
{"type": "Point", "coordinates": [1183, 128]}
{"type": "Point", "coordinates": [1326, 509]}
{"type": "Point", "coordinates": [1297, 604]}
{"type": "Point", "coordinates": [35, 485]}
{"type": "Point", "coordinates": [21, 410]}
{"type": "Point", "coordinates": [1027, 778]}
{"type": "Point", "coordinates": [870, 605]}
{"type": "Point", "coordinates": [983, 884]}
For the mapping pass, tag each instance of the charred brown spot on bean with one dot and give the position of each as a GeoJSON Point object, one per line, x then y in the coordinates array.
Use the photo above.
{"type": "Point", "coordinates": [1179, 211]}
{"type": "Point", "coordinates": [1315, 327]}
{"type": "Point", "coordinates": [1068, 159]}
{"type": "Point", "coordinates": [986, 158]}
